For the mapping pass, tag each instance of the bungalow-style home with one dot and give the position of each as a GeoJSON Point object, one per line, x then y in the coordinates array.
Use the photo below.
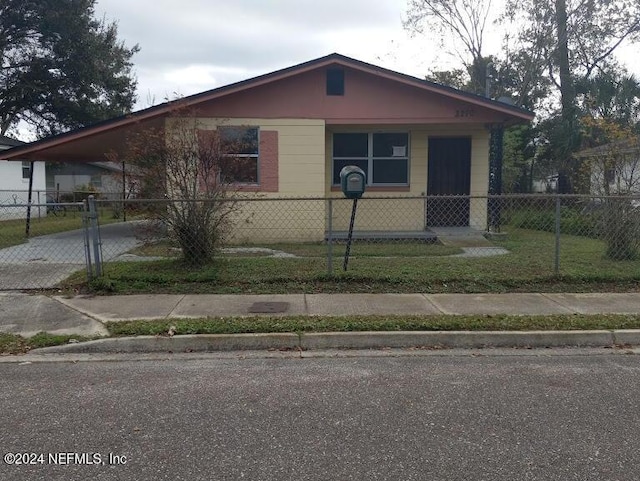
{"type": "Point", "coordinates": [614, 167]}
{"type": "Point", "coordinates": [14, 181]}
{"type": "Point", "coordinates": [411, 137]}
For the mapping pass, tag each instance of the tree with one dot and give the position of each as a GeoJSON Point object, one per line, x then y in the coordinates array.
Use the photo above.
{"type": "Point", "coordinates": [519, 159]}
{"type": "Point", "coordinates": [614, 170]}
{"type": "Point", "coordinates": [61, 68]}
{"type": "Point", "coordinates": [195, 170]}
{"type": "Point", "coordinates": [576, 39]}
{"type": "Point", "coordinates": [611, 94]}
{"type": "Point", "coordinates": [466, 21]}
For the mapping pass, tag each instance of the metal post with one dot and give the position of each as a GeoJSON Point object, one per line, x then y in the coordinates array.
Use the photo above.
{"type": "Point", "coordinates": [87, 243]}
{"type": "Point", "coordinates": [124, 194]}
{"type": "Point", "coordinates": [350, 237]}
{"type": "Point", "coordinates": [95, 235]}
{"type": "Point", "coordinates": [330, 239]}
{"type": "Point", "coordinates": [30, 198]}
{"type": "Point", "coordinates": [556, 267]}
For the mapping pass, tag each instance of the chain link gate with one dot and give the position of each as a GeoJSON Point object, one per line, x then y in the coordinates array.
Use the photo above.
{"type": "Point", "coordinates": [41, 244]}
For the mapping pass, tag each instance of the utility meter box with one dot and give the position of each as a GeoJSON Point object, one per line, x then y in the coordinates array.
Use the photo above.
{"type": "Point", "coordinates": [352, 181]}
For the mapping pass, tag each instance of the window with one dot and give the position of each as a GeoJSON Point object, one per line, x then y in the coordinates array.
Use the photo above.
{"type": "Point", "coordinates": [609, 176]}
{"type": "Point", "coordinates": [384, 157]}
{"type": "Point", "coordinates": [241, 146]}
{"type": "Point", "coordinates": [335, 81]}
{"type": "Point", "coordinates": [96, 180]}
{"type": "Point", "coordinates": [26, 170]}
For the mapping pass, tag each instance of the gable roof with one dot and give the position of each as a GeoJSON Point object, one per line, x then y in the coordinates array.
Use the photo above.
{"type": "Point", "coordinates": [6, 142]}
{"type": "Point", "coordinates": [31, 150]}
{"type": "Point", "coordinates": [618, 147]}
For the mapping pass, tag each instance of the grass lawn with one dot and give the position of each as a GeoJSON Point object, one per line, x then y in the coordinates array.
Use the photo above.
{"type": "Point", "coordinates": [527, 268]}
{"type": "Point", "coordinates": [12, 232]}
{"type": "Point", "coordinates": [240, 325]}
{"type": "Point", "coordinates": [12, 344]}
{"type": "Point", "coordinates": [395, 249]}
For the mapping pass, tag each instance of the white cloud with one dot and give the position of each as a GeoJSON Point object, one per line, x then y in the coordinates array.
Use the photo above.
{"type": "Point", "coordinates": [188, 46]}
{"type": "Point", "coordinates": [194, 45]}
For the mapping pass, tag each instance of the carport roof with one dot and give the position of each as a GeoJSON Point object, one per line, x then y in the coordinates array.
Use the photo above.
{"type": "Point", "coordinates": [100, 141]}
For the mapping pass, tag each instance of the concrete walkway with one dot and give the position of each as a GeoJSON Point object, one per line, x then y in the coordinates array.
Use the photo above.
{"type": "Point", "coordinates": [84, 315]}
{"type": "Point", "coordinates": [44, 261]}
{"type": "Point", "coordinates": [163, 306]}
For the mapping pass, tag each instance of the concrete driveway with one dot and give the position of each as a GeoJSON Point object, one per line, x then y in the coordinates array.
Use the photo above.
{"type": "Point", "coordinates": [45, 261]}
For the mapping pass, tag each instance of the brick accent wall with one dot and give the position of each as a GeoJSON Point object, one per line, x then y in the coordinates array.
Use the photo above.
{"type": "Point", "coordinates": [268, 161]}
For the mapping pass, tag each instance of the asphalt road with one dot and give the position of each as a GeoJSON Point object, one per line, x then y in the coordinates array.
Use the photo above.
{"type": "Point", "coordinates": [421, 418]}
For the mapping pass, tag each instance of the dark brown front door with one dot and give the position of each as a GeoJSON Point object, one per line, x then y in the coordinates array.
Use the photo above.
{"type": "Point", "coordinates": [449, 174]}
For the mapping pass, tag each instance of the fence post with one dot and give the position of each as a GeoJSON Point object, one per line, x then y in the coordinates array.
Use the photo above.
{"type": "Point", "coordinates": [29, 201]}
{"type": "Point", "coordinates": [556, 267]}
{"type": "Point", "coordinates": [87, 242]}
{"type": "Point", "coordinates": [95, 235]}
{"type": "Point", "coordinates": [330, 239]}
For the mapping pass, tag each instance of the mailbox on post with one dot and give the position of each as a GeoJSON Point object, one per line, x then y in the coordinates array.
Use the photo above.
{"type": "Point", "coordinates": [352, 181]}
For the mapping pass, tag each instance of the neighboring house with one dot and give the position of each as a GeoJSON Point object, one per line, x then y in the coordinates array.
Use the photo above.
{"type": "Point", "coordinates": [14, 181]}
{"type": "Point", "coordinates": [546, 185]}
{"type": "Point", "coordinates": [614, 168]}
{"type": "Point", "coordinates": [103, 177]}
{"type": "Point", "coordinates": [410, 136]}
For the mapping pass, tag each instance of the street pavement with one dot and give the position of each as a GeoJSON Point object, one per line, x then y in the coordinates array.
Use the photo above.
{"type": "Point", "coordinates": [480, 418]}
{"type": "Point", "coordinates": [85, 315]}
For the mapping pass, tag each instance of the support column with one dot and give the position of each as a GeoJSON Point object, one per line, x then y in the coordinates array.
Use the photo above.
{"type": "Point", "coordinates": [495, 177]}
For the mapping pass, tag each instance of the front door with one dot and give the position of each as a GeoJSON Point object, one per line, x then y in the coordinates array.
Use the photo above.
{"type": "Point", "coordinates": [449, 174]}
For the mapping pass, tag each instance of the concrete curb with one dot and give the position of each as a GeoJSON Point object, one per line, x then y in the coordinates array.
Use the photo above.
{"type": "Point", "coordinates": [350, 340]}
{"type": "Point", "coordinates": [627, 337]}
{"type": "Point", "coordinates": [455, 339]}
{"type": "Point", "coordinates": [188, 343]}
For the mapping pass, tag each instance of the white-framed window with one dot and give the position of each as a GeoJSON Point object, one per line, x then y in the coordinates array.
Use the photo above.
{"type": "Point", "coordinates": [383, 156]}
{"type": "Point", "coordinates": [26, 170]}
{"type": "Point", "coordinates": [96, 180]}
{"type": "Point", "coordinates": [241, 146]}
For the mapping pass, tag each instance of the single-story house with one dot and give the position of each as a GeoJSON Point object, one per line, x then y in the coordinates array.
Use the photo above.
{"type": "Point", "coordinates": [14, 181]}
{"type": "Point", "coordinates": [614, 167]}
{"type": "Point", "coordinates": [411, 137]}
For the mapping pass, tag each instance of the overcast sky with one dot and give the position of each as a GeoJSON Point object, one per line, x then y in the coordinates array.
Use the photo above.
{"type": "Point", "coordinates": [189, 46]}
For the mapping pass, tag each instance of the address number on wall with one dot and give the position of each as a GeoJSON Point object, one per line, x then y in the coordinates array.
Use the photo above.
{"type": "Point", "coordinates": [465, 113]}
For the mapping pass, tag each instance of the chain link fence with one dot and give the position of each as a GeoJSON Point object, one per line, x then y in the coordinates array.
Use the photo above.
{"type": "Point", "coordinates": [518, 235]}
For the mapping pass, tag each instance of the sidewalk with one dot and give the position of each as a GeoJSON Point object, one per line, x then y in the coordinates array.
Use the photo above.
{"type": "Point", "coordinates": [83, 315]}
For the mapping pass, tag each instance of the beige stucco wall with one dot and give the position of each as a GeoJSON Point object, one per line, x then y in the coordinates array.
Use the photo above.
{"type": "Point", "coordinates": [304, 154]}
{"type": "Point", "coordinates": [300, 152]}
{"type": "Point", "coordinates": [479, 178]}
{"type": "Point", "coordinates": [301, 174]}
{"type": "Point", "coordinates": [409, 215]}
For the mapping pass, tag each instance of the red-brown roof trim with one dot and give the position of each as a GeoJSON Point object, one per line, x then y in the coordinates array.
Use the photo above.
{"type": "Point", "coordinates": [192, 100]}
